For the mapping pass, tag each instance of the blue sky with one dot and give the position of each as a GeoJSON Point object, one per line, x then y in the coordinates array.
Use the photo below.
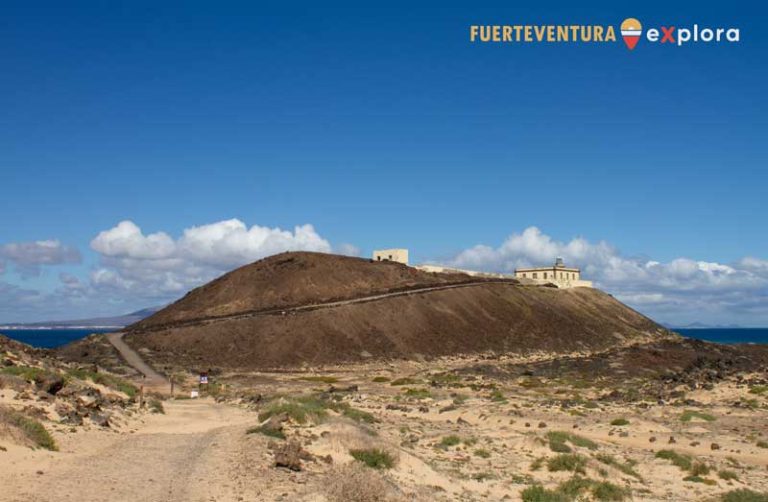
{"type": "Point", "coordinates": [379, 127]}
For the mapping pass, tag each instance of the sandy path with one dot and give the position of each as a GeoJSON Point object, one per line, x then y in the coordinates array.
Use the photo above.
{"type": "Point", "coordinates": [153, 379]}
{"type": "Point", "coordinates": [191, 453]}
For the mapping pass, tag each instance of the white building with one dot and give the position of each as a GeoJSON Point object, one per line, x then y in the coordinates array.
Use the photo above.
{"type": "Point", "coordinates": [398, 255]}
{"type": "Point", "coordinates": [557, 274]}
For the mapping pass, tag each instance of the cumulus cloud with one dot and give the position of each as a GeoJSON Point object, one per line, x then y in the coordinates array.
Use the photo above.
{"type": "Point", "coordinates": [682, 289]}
{"type": "Point", "coordinates": [28, 257]}
{"type": "Point", "coordinates": [156, 265]}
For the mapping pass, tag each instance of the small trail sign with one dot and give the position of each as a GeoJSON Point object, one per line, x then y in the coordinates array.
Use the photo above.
{"type": "Point", "coordinates": [203, 378]}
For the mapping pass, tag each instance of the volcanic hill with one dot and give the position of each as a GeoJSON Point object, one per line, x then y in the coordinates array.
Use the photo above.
{"type": "Point", "coordinates": [303, 308]}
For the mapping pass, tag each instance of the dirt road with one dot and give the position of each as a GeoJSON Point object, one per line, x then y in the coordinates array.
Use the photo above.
{"type": "Point", "coordinates": [152, 379]}
{"type": "Point", "coordinates": [195, 452]}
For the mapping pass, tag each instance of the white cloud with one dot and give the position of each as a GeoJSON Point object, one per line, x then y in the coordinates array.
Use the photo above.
{"type": "Point", "coordinates": [28, 257]}
{"type": "Point", "coordinates": [682, 288]}
{"type": "Point", "coordinates": [158, 267]}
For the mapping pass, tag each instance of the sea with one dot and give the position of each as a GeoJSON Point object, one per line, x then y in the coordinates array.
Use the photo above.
{"type": "Point", "coordinates": [52, 338]}
{"type": "Point", "coordinates": [727, 335]}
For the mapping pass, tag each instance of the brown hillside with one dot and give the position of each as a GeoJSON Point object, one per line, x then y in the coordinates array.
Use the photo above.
{"type": "Point", "coordinates": [294, 279]}
{"type": "Point", "coordinates": [493, 316]}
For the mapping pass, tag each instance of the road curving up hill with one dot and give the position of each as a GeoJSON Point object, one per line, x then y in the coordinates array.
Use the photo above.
{"type": "Point", "coordinates": [309, 308]}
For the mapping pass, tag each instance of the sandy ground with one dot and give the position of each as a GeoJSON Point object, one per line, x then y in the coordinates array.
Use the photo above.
{"type": "Point", "coordinates": [199, 449]}
{"type": "Point", "coordinates": [188, 454]}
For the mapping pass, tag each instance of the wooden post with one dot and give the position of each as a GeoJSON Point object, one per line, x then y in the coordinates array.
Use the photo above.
{"type": "Point", "coordinates": [141, 397]}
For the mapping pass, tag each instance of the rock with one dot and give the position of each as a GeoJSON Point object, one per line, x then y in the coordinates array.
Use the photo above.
{"type": "Point", "coordinates": [542, 425]}
{"type": "Point", "coordinates": [100, 419]}
{"type": "Point", "coordinates": [290, 455]}
{"type": "Point", "coordinates": [652, 439]}
{"type": "Point", "coordinates": [51, 384]}
{"type": "Point", "coordinates": [672, 440]}
{"type": "Point", "coordinates": [424, 409]}
{"type": "Point", "coordinates": [714, 446]}
{"type": "Point", "coordinates": [527, 424]}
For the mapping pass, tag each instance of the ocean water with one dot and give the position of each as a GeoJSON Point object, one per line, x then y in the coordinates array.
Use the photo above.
{"type": "Point", "coordinates": [50, 338]}
{"type": "Point", "coordinates": [728, 335]}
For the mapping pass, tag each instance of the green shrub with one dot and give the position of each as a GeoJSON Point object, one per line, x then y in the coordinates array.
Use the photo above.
{"type": "Point", "coordinates": [374, 458]}
{"type": "Point", "coordinates": [567, 462]}
{"type": "Point", "coordinates": [557, 440]}
{"type": "Point", "coordinates": [449, 441]}
{"type": "Point", "coordinates": [497, 396]}
{"type": "Point", "coordinates": [107, 380]}
{"type": "Point", "coordinates": [744, 495]}
{"type": "Point", "coordinates": [626, 468]}
{"type": "Point", "coordinates": [156, 406]}
{"type": "Point", "coordinates": [417, 393]}
{"type": "Point", "coordinates": [538, 493]}
{"type": "Point", "coordinates": [404, 381]}
{"type": "Point", "coordinates": [687, 415]}
{"type": "Point", "coordinates": [300, 409]}
{"type": "Point", "coordinates": [762, 444]}
{"type": "Point", "coordinates": [609, 491]}
{"type": "Point", "coordinates": [482, 453]}
{"type": "Point", "coordinates": [574, 487]}
{"type": "Point", "coordinates": [267, 431]}
{"type": "Point", "coordinates": [536, 464]}
{"type": "Point", "coordinates": [699, 469]}
{"type": "Point", "coordinates": [619, 421]}
{"type": "Point", "coordinates": [380, 379]}
{"type": "Point", "coordinates": [31, 428]}
{"type": "Point", "coordinates": [727, 475]}
{"type": "Point", "coordinates": [684, 462]}
{"type": "Point", "coordinates": [758, 389]}
{"type": "Point", "coordinates": [28, 373]}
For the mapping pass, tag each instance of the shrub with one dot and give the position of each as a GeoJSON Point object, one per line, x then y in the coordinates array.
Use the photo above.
{"type": "Point", "coordinates": [380, 379]}
{"type": "Point", "coordinates": [538, 493]}
{"type": "Point", "coordinates": [156, 406]}
{"type": "Point", "coordinates": [758, 389]}
{"type": "Point", "coordinates": [557, 440]}
{"type": "Point", "coordinates": [609, 491]}
{"type": "Point", "coordinates": [418, 393]}
{"type": "Point", "coordinates": [354, 482]}
{"type": "Point", "coordinates": [107, 380]}
{"type": "Point", "coordinates": [536, 464]}
{"type": "Point", "coordinates": [687, 415]}
{"type": "Point", "coordinates": [449, 441]}
{"type": "Point", "coordinates": [727, 475]}
{"type": "Point", "coordinates": [619, 421]}
{"type": "Point", "coordinates": [374, 458]}
{"type": "Point", "coordinates": [497, 396]}
{"type": "Point", "coordinates": [267, 431]}
{"type": "Point", "coordinates": [744, 495]}
{"type": "Point", "coordinates": [403, 381]}
{"type": "Point", "coordinates": [299, 409]}
{"type": "Point", "coordinates": [684, 462]}
{"type": "Point", "coordinates": [762, 444]}
{"type": "Point", "coordinates": [574, 487]}
{"type": "Point", "coordinates": [482, 453]}
{"type": "Point", "coordinates": [699, 469]}
{"type": "Point", "coordinates": [625, 468]}
{"type": "Point", "coordinates": [567, 462]}
{"type": "Point", "coordinates": [31, 428]}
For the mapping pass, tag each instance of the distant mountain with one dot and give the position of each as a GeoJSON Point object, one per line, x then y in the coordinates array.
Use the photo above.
{"type": "Point", "coordinates": [701, 325]}
{"type": "Point", "coordinates": [97, 322]}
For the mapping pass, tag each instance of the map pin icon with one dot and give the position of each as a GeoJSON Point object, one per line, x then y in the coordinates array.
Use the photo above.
{"type": "Point", "coordinates": [631, 29]}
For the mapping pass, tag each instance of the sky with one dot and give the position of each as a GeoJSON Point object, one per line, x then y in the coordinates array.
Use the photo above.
{"type": "Point", "coordinates": [147, 147]}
